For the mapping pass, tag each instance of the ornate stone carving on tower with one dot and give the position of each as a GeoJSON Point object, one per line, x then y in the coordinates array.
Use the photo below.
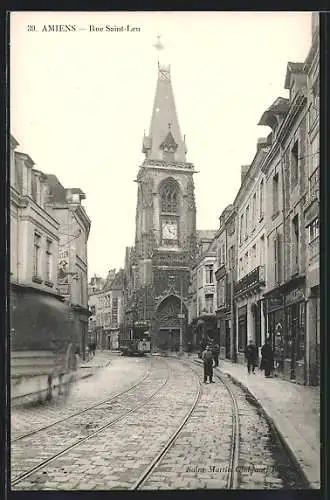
{"type": "Point", "coordinates": [165, 236]}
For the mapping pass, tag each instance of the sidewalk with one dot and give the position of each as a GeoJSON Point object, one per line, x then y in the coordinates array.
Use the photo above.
{"type": "Point", "coordinates": [294, 410]}
{"type": "Point", "coordinates": [86, 368]}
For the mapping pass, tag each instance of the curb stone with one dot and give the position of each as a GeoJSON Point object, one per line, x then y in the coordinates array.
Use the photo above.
{"type": "Point", "coordinates": [273, 427]}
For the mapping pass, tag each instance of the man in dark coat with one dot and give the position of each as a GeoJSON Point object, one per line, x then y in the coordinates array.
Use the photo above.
{"type": "Point", "coordinates": [216, 352]}
{"type": "Point", "coordinates": [251, 356]}
{"type": "Point", "coordinates": [207, 358]}
{"type": "Point", "coordinates": [267, 360]}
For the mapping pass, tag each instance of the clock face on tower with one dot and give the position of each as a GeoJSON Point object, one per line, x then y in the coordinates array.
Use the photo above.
{"type": "Point", "coordinates": [169, 230]}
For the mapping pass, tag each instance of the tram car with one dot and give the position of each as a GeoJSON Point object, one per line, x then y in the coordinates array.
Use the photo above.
{"type": "Point", "coordinates": [135, 341]}
{"type": "Point", "coordinates": [43, 348]}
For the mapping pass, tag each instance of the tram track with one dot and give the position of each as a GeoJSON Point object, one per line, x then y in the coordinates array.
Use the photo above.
{"type": "Point", "coordinates": [84, 410]}
{"type": "Point", "coordinates": [237, 468]}
{"type": "Point", "coordinates": [152, 466]}
{"type": "Point", "coordinates": [232, 477]}
{"type": "Point", "coordinates": [107, 425]}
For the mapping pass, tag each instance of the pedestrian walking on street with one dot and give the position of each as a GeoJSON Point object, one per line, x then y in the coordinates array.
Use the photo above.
{"type": "Point", "coordinates": [93, 347]}
{"type": "Point", "coordinates": [203, 347]}
{"type": "Point", "coordinates": [207, 358]}
{"type": "Point", "coordinates": [251, 356]}
{"type": "Point", "coordinates": [267, 359]}
{"type": "Point", "coordinates": [216, 352]}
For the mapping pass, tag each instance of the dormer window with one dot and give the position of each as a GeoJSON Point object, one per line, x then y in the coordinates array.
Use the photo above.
{"type": "Point", "coordinates": [168, 146]}
{"type": "Point", "coordinates": [75, 198]}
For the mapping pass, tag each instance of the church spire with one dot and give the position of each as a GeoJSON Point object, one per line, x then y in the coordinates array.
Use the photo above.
{"type": "Point", "coordinates": [164, 127]}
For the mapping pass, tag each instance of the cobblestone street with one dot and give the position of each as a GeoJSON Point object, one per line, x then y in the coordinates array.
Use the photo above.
{"type": "Point", "coordinates": [118, 373]}
{"type": "Point", "coordinates": [146, 423]}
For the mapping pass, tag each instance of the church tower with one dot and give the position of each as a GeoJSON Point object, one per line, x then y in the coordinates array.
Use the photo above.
{"type": "Point", "coordinates": [165, 237]}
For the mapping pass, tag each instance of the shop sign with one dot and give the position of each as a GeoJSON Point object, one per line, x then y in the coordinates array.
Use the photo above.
{"type": "Point", "coordinates": [295, 295]}
{"type": "Point", "coordinates": [209, 289]}
{"type": "Point", "coordinates": [63, 268]}
{"type": "Point", "coordinates": [273, 303]}
{"type": "Point", "coordinates": [141, 323]}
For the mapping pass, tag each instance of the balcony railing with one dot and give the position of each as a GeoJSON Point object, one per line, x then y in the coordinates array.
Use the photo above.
{"type": "Point", "coordinates": [250, 281]}
{"type": "Point", "coordinates": [313, 189]}
{"type": "Point", "coordinates": [314, 184]}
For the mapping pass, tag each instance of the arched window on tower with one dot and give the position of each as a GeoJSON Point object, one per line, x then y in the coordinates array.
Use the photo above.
{"type": "Point", "coordinates": [169, 199]}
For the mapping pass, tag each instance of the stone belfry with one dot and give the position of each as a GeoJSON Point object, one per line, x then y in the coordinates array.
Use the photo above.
{"type": "Point", "coordinates": [165, 237]}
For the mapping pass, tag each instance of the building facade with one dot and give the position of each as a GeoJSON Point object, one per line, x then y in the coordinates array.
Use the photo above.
{"type": "Point", "coordinates": [225, 275]}
{"type": "Point", "coordinates": [251, 254]}
{"type": "Point", "coordinates": [41, 336]}
{"type": "Point", "coordinates": [34, 242]}
{"type": "Point", "coordinates": [95, 285]}
{"type": "Point", "coordinates": [202, 292]}
{"type": "Point", "coordinates": [286, 184]}
{"type": "Point", "coordinates": [165, 237]}
{"type": "Point", "coordinates": [311, 209]}
{"type": "Point", "coordinates": [72, 265]}
{"type": "Point", "coordinates": [106, 304]}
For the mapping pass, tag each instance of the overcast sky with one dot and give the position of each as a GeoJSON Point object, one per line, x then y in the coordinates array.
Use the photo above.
{"type": "Point", "coordinates": [81, 100]}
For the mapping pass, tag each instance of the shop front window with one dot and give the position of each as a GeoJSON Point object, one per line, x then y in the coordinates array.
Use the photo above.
{"type": "Point", "coordinates": [301, 332]}
{"type": "Point", "coordinates": [295, 331]}
{"type": "Point", "coordinates": [242, 328]}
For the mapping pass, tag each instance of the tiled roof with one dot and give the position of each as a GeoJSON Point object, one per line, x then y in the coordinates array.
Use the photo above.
{"type": "Point", "coordinates": [279, 106]}
{"type": "Point", "coordinates": [76, 191]}
{"type": "Point", "coordinates": [57, 192]}
{"type": "Point", "coordinates": [292, 67]}
{"type": "Point", "coordinates": [117, 283]}
{"type": "Point", "coordinates": [13, 142]}
{"type": "Point", "coordinates": [296, 67]}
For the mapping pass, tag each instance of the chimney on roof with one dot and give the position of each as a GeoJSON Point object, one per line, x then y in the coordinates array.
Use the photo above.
{"type": "Point", "coordinates": [244, 169]}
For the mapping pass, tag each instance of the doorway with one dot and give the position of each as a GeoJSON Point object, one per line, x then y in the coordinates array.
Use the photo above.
{"type": "Point", "coordinates": [169, 339]}
{"type": "Point", "coordinates": [227, 339]}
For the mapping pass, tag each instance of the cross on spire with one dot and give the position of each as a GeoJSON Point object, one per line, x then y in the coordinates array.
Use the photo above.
{"type": "Point", "coordinates": [158, 45]}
